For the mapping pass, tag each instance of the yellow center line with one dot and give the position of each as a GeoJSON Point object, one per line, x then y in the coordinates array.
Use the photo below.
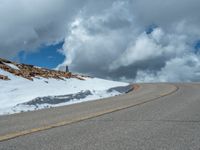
{"type": "Point", "coordinates": [89, 116]}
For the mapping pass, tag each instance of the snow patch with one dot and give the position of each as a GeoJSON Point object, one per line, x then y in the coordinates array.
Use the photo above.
{"type": "Point", "coordinates": [17, 92]}
{"type": "Point", "coordinates": [12, 66]}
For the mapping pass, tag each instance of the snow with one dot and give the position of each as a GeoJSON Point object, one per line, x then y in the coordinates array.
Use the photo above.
{"type": "Point", "coordinates": [12, 66]}
{"type": "Point", "coordinates": [18, 90]}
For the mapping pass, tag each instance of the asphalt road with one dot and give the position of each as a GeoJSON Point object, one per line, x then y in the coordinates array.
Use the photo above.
{"type": "Point", "coordinates": [155, 116]}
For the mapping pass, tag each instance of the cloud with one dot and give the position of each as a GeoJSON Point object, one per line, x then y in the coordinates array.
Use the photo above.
{"type": "Point", "coordinates": [134, 40]}
{"type": "Point", "coordinates": [179, 69]}
{"type": "Point", "coordinates": [113, 43]}
{"type": "Point", "coordinates": [26, 25]}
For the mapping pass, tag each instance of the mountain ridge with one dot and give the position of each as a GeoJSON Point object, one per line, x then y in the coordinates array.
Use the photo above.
{"type": "Point", "coordinates": [30, 71]}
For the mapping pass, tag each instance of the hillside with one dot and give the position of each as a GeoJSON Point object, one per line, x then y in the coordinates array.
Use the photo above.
{"type": "Point", "coordinates": [29, 71]}
{"type": "Point", "coordinates": [27, 87]}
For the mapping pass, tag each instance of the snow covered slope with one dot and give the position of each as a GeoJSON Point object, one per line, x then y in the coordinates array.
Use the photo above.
{"type": "Point", "coordinates": [20, 94]}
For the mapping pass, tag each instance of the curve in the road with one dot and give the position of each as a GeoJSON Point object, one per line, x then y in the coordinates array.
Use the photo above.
{"type": "Point", "coordinates": [152, 97]}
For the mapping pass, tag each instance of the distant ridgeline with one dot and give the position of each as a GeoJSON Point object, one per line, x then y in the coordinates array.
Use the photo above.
{"type": "Point", "coordinates": [29, 71]}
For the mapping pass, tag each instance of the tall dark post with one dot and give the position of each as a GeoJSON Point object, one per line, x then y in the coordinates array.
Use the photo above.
{"type": "Point", "coordinates": [67, 69]}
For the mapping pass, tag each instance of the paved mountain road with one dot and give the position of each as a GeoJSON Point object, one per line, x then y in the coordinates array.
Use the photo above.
{"type": "Point", "coordinates": [156, 116]}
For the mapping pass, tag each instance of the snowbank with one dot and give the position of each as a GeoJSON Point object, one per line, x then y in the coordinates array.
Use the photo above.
{"type": "Point", "coordinates": [17, 92]}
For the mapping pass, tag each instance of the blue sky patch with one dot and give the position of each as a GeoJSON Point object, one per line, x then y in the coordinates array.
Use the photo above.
{"type": "Point", "coordinates": [197, 47]}
{"type": "Point", "coordinates": [46, 56]}
{"type": "Point", "coordinates": [150, 28]}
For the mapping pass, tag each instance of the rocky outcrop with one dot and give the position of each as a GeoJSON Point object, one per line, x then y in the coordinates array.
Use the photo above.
{"type": "Point", "coordinates": [29, 71]}
{"type": "Point", "coordinates": [2, 77]}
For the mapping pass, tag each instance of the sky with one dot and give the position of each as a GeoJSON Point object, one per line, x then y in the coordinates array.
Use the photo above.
{"type": "Point", "coordinates": [128, 40]}
{"type": "Point", "coordinates": [45, 56]}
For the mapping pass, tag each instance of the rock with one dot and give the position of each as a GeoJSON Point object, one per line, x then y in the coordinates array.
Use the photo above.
{"type": "Point", "coordinates": [29, 71]}
{"type": "Point", "coordinates": [2, 77]}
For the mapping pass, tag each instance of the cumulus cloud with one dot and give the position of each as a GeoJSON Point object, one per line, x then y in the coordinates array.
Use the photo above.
{"type": "Point", "coordinates": [179, 69]}
{"type": "Point", "coordinates": [114, 42]}
{"type": "Point", "coordinates": [134, 40]}
{"type": "Point", "coordinates": [26, 24]}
